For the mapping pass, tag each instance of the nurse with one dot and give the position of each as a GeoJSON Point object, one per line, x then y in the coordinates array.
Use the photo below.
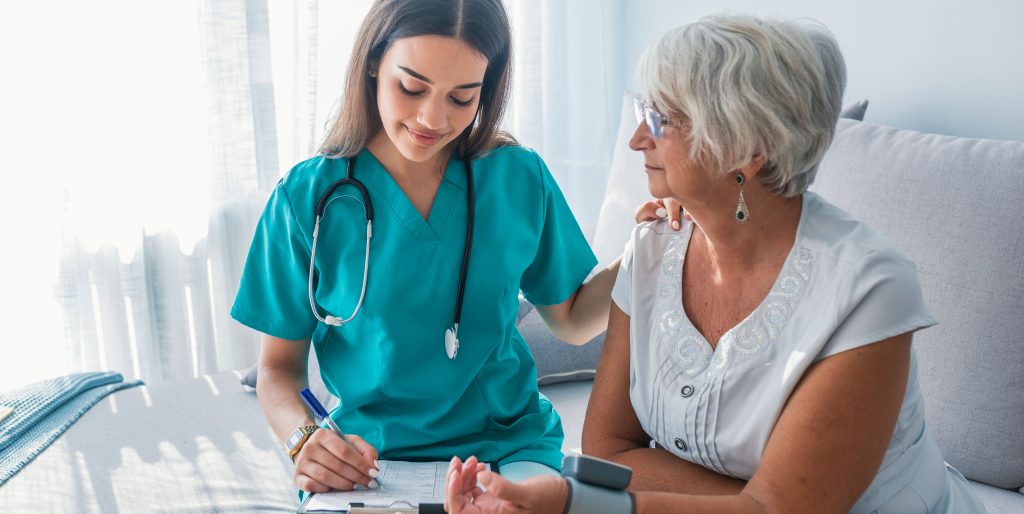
{"type": "Point", "coordinates": [453, 200]}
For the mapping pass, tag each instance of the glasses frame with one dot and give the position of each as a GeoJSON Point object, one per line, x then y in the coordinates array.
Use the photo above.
{"type": "Point", "coordinates": [654, 119]}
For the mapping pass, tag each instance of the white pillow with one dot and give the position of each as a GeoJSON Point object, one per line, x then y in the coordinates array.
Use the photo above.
{"type": "Point", "coordinates": [627, 189]}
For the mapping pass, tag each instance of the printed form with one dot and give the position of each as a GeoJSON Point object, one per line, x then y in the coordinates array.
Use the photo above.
{"type": "Point", "coordinates": [401, 483]}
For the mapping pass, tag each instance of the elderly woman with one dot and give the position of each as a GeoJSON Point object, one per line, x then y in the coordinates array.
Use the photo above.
{"type": "Point", "coordinates": [765, 346]}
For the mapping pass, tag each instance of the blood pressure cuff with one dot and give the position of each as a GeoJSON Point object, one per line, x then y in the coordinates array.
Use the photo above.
{"type": "Point", "coordinates": [593, 499]}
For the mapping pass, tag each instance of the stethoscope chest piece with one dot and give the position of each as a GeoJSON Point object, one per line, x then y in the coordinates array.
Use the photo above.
{"type": "Point", "coordinates": [451, 343]}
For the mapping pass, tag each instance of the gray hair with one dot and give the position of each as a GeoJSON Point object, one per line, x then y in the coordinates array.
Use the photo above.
{"type": "Point", "coordinates": [751, 86]}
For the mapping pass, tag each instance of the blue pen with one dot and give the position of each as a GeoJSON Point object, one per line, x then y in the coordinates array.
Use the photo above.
{"type": "Point", "coordinates": [321, 412]}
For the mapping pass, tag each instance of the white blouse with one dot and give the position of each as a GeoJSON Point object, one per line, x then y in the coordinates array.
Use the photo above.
{"type": "Point", "coordinates": [842, 286]}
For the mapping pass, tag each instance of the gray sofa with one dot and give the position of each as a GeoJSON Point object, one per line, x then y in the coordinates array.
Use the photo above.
{"type": "Point", "coordinates": [954, 205]}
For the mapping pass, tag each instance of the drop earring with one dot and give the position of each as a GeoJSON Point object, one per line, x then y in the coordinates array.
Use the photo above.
{"type": "Point", "coordinates": [742, 213]}
{"type": "Point", "coordinates": [372, 74]}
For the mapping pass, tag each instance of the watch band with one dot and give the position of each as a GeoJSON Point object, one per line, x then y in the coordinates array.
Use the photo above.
{"type": "Point", "coordinates": [592, 499]}
{"type": "Point", "coordinates": [305, 431]}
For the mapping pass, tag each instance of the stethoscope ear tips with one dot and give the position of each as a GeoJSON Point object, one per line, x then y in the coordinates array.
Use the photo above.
{"type": "Point", "coordinates": [451, 343]}
{"type": "Point", "coordinates": [332, 321]}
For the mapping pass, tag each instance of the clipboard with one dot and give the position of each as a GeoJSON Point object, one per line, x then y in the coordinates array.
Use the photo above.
{"type": "Point", "coordinates": [406, 486]}
{"type": "Point", "coordinates": [395, 508]}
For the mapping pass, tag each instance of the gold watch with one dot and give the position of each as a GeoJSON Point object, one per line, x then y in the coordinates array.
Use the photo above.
{"type": "Point", "coordinates": [298, 438]}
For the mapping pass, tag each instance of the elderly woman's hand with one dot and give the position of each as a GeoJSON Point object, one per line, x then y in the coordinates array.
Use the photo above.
{"type": "Point", "coordinates": [658, 209]}
{"type": "Point", "coordinates": [540, 494]}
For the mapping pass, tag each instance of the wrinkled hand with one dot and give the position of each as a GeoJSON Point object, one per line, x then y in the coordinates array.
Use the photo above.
{"type": "Point", "coordinates": [325, 462]}
{"type": "Point", "coordinates": [664, 208]}
{"type": "Point", "coordinates": [540, 494]}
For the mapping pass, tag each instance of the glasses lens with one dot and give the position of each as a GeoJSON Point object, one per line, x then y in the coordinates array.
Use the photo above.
{"type": "Point", "coordinates": [653, 122]}
{"type": "Point", "coordinates": [638, 110]}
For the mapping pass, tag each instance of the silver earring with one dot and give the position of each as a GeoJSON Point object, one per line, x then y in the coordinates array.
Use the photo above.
{"type": "Point", "coordinates": [742, 213]}
{"type": "Point", "coordinates": [372, 74]}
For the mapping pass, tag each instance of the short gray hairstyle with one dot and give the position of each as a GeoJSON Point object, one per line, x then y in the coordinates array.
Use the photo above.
{"type": "Point", "coordinates": [751, 86]}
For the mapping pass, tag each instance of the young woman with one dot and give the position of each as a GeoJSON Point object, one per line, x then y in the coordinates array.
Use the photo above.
{"type": "Point", "coordinates": [414, 327]}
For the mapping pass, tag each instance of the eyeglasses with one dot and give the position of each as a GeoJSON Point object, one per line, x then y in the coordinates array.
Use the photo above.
{"type": "Point", "coordinates": [655, 120]}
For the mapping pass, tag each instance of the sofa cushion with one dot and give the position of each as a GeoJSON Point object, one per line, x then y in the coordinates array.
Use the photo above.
{"type": "Point", "coordinates": [954, 205]}
{"type": "Point", "coordinates": [854, 110]}
{"type": "Point", "coordinates": [570, 400]}
{"type": "Point", "coordinates": [557, 361]}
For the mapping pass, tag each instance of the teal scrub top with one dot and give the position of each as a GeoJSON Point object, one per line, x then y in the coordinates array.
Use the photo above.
{"type": "Point", "coordinates": [398, 389]}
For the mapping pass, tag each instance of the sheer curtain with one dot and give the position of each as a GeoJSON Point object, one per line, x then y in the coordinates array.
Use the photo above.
{"type": "Point", "coordinates": [139, 144]}
{"type": "Point", "coordinates": [151, 300]}
{"type": "Point", "coordinates": [567, 92]}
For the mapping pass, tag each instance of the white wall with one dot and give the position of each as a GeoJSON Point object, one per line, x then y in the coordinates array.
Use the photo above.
{"type": "Point", "coordinates": [944, 66]}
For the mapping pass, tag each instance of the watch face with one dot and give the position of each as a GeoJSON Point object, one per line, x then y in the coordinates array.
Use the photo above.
{"type": "Point", "coordinates": [294, 438]}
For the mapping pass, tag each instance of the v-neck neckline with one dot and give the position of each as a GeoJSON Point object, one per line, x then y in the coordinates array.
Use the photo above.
{"type": "Point", "coordinates": [775, 284]}
{"type": "Point", "coordinates": [427, 231]}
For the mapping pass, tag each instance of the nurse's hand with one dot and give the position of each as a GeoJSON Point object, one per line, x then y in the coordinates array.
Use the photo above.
{"type": "Point", "coordinates": [540, 494]}
{"type": "Point", "coordinates": [665, 208]}
{"type": "Point", "coordinates": [325, 462]}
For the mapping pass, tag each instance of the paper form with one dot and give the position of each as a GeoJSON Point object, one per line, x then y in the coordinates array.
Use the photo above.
{"type": "Point", "coordinates": [400, 481]}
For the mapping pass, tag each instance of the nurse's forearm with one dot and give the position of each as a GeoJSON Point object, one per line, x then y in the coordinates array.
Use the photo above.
{"type": "Point", "coordinates": [584, 314]}
{"type": "Point", "coordinates": [277, 390]}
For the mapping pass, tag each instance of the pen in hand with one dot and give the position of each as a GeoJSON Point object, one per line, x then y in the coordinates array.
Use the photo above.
{"type": "Point", "coordinates": [321, 413]}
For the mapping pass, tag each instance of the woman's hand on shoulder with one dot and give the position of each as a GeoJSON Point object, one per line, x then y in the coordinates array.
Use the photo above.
{"type": "Point", "coordinates": [660, 209]}
{"type": "Point", "coordinates": [327, 463]}
{"type": "Point", "coordinates": [540, 494]}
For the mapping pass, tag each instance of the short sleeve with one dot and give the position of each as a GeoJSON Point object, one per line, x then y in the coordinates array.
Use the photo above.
{"type": "Point", "coordinates": [563, 258]}
{"type": "Point", "coordinates": [272, 295]}
{"type": "Point", "coordinates": [881, 299]}
{"type": "Point", "coordinates": [622, 290]}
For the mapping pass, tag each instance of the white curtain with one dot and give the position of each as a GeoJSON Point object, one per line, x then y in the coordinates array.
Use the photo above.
{"type": "Point", "coordinates": [182, 195]}
{"type": "Point", "coordinates": [567, 92]}
{"type": "Point", "coordinates": [139, 142]}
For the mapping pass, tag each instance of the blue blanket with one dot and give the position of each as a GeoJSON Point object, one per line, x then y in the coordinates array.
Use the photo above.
{"type": "Point", "coordinates": [44, 410]}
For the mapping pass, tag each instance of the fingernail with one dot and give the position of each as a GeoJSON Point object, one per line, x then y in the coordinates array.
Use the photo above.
{"type": "Point", "coordinates": [374, 484]}
{"type": "Point", "coordinates": [376, 464]}
{"type": "Point", "coordinates": [661, 212]}
{"type": "Point", "coordinates": [481, 486]}
{"type": "Point", "coordinates": [675, 225]}
{"type": "Point", "coordinates": [373, 473]}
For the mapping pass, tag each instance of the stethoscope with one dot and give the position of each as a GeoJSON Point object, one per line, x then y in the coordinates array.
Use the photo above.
{"type": "Point", "coordinates": [451, 335]}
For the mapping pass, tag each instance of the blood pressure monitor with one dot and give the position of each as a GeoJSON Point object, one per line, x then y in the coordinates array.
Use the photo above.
{"type": "Point", "coordinates": [597, 486]}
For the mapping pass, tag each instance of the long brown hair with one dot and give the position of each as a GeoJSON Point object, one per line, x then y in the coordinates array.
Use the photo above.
{"type": "Point", "coordinates": [482, 24]}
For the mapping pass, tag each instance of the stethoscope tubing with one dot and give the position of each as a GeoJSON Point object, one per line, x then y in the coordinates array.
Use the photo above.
{"type": "Point", "coordinates": [332, 320]}
{"type": "Point", "coordinates": [349, 179]}
{"type": "Point", "coordinates": [470, 218]}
